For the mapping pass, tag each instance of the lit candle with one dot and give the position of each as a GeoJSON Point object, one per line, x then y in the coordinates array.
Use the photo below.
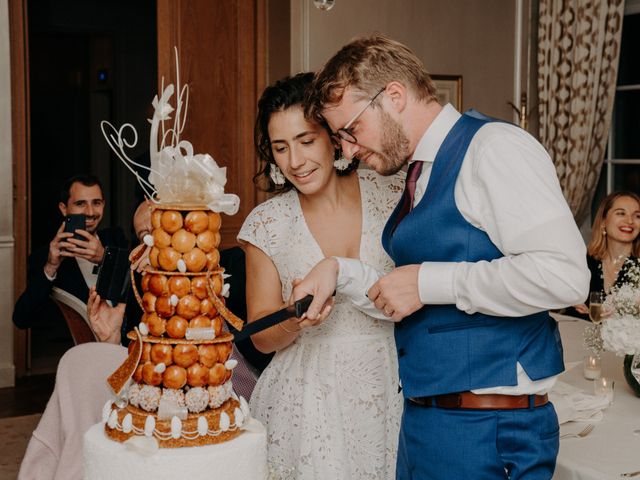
{"type": "Point", "coordinates": [604, 387]}
{"type": "Point", "coordinates": [592, 368]}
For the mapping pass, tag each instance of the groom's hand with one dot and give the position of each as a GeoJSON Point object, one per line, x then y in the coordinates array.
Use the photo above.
{"type": "Point", "coordinates": [321, 283]}
{"type": "Point", "coordinates": [396, 294]}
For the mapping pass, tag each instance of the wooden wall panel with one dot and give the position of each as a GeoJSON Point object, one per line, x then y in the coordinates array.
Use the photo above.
{"type": "Point", "coordinates": [21, 181]}
{"type": "Point", "coordinates": [221, 48]}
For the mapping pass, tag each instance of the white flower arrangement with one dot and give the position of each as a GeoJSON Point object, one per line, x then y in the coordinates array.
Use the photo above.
{"type": "Point", "coordinates": [620, 329]}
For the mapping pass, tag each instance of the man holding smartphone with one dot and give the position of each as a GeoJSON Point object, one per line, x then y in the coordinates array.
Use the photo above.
{"type": "Point", "coordinates": [78, 246]}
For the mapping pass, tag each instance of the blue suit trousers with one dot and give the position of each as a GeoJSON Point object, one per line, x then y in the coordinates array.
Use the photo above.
{"type": "Point", "coordinates": [458, 444]}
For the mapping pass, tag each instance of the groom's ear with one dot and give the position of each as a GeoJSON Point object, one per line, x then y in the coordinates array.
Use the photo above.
{"type": "Point", "coordinates": [397, 93]}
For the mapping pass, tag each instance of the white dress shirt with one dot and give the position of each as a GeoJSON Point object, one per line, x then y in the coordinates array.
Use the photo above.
{"type": "Point", "coordinates": [86, 268]}
{"type": "Point", "coordinates": [507, 187]}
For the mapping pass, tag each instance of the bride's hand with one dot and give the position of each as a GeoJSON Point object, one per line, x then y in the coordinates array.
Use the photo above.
{"type": "Point", "coordinates": [307, 322]}
{"type": "Point", "coordinates": [304, 322]}
{"type": "Point", "coordinates": [320, 282]}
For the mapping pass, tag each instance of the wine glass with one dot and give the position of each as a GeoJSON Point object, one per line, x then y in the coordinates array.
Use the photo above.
{"type": "Point", "coordinates": [595, 307]}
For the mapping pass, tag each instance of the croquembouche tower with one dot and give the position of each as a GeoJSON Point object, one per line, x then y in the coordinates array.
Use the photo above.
{"type": "Point", "coordinates": [176, 384]}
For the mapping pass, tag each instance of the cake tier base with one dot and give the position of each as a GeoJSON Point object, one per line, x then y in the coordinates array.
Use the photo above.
{"type": "Point", "coordinates": [189, 437]}
{"type": "Point", "coordinates": [240, 458]}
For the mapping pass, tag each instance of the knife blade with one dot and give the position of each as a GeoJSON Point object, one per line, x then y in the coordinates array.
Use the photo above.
{"type": "Point", "coordinates": [298, 308]}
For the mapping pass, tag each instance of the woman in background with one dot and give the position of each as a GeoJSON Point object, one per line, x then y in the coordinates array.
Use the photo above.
{"type": "Point", "coordinates": [614, 246]}
{"type": "Point", "coordinates": [329, 398]}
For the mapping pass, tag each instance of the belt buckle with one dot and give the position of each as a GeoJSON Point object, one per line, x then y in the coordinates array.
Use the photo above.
{"type": "Point", "coordinates": [421, 401]}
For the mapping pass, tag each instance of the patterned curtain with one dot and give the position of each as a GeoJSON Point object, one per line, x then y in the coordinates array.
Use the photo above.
{"type": "Point", "coordinates": [578, 51]}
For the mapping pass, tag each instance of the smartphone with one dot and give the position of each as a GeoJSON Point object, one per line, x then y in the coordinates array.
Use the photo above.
{"type": "Point", "coordinates": [113, 275]}
{"type": "Point", "coordinates": [75, 221]}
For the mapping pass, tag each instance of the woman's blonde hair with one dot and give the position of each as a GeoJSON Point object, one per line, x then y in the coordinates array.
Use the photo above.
{"type": "Point", "coordinates": [598, 244]}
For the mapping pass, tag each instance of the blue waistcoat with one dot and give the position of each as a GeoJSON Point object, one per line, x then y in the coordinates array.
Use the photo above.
{"type": "Point", "coordinates": [442, 349]}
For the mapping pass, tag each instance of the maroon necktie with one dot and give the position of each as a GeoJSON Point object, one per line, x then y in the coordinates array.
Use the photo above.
{"type": "Point", "coordinates": [413, 173]}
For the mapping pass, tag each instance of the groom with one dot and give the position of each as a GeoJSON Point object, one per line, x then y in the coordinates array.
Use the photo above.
{"type": "Point", "coordinates": [484, 245]}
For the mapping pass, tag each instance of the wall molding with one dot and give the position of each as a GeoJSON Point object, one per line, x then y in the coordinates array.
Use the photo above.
{"type": "Point", "coordinates": [299, 36]}
{"type": "Point", "coordinates": [517, 61]}
{"type": "Point", "coordinates": [7, 241]}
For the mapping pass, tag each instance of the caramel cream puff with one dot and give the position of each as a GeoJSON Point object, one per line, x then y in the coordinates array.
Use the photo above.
{"type": "Point", "coordinates": [171, 221]}
{"type": "Point", "coordinates": [177, 327]}
{"type": "Point", "coordinates": [196, 221]}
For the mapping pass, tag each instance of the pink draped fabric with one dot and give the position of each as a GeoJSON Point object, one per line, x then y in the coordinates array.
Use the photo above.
{"type": "Point", "coordinates": [55, 449]}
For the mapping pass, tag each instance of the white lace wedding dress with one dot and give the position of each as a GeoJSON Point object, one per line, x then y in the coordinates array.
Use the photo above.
{"type": "Point", "coordinates": [329, 400]}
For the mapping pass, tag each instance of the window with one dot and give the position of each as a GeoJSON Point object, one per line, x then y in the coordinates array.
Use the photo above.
{"type": "Point", "coordinates": [621, 168]}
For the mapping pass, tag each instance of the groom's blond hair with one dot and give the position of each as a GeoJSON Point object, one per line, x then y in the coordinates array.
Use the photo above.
{"type": "Point", "coordinates": [367, 64]}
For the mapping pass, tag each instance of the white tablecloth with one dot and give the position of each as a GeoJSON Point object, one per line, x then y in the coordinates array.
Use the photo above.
{"type": "Point", "coordinates": [614, 445]}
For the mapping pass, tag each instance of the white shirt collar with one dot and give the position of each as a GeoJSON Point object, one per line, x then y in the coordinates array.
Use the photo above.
{"type": "Point", "coordinates": [432, 139]}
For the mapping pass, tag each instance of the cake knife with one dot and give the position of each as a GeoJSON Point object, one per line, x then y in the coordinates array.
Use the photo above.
{"type": "Point", "coordinates": [298, 308]}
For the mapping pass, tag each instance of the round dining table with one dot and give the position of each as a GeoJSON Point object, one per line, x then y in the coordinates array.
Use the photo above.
{"type": "Point", "coordinates": [612, 448]}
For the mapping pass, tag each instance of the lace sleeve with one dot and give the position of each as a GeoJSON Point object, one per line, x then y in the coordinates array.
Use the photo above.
{"type": "Point", "coordinates": [255, 230]}
{"type": "Point", "coordinates": [269, 225]}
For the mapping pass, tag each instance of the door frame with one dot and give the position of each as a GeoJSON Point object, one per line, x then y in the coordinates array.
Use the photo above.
{"type": "Point", "coordinates": [252, 50]}
{"type": "Point", "coordinates": [20, 138]}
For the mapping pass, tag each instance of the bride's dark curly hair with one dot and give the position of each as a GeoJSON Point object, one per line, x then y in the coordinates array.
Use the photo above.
{"type": "Point", "coordinates": [278, 97]}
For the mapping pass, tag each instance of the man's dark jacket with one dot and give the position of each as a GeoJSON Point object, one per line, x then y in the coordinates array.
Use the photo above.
{"type": "Point", "coordinates": [34, 303]}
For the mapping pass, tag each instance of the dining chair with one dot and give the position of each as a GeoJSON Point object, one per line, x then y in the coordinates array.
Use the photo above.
{"type": "Point", "coordinates": [74, 312]}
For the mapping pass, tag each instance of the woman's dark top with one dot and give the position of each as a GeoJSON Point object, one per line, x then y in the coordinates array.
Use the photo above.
{"type": "Point", "coordinates": [597, 281]}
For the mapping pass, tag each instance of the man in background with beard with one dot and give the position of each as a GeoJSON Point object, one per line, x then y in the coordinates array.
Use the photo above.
{"type": "Point", "coordinates": [68, 263]}
{"type": "Point", "coordinates": [484, 245]}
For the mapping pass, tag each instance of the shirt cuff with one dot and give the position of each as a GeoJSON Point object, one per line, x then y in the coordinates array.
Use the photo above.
{"type": "Point", "coordinates": [51, 279]}
{"type": "Point", "coordinates": [354, 278]}
{"type": "Point", "coordinates": [354, 281]}
{"type": "Point", "coordinates": [435, 283]}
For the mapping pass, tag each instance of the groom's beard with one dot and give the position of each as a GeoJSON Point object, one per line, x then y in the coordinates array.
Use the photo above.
{"type": "Point", "coordinates": [395, 146]}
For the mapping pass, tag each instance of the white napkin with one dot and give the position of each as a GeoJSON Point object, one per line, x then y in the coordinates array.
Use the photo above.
{"type": "Point", "coordinates": [573, 404]}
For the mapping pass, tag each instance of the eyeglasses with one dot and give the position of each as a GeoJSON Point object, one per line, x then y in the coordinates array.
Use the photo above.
{"type": "Point", "coordinates": [344, 133]}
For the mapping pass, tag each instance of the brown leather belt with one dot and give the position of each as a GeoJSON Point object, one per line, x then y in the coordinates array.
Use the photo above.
{"type": "Point", "coordinates": [490, 401]}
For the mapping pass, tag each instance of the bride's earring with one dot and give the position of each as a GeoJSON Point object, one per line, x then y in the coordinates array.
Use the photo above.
{"type": "Point", "coordinates": [341, 164]}
{"type": "Point", "coordinates": [604, 232]}
{"type": "Point", "coordinates": [276, 174]}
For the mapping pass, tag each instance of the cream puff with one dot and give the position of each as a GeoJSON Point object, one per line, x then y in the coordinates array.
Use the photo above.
{"type": "Point", "coordinates": [185, 355]}
{"type": "Point", "coordinates": [171, 221]}
{"type": "Point", "coordinates": [196, 221]}
{"type": "Point", "coordinates": [177, 327]}
{"type": "Point", "coordinates": [188, 307]}
{"type": "Point", "coordinates": [183, 241]}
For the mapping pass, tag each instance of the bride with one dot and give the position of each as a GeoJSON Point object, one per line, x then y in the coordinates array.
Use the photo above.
{"type": "Point", "coordinates": [329, 398]}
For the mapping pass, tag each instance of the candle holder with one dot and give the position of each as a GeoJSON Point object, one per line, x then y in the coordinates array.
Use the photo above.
{"type": "Point", "coordinates": [592, 367]}
{"type": "Point", "coordinates": [603, 386]}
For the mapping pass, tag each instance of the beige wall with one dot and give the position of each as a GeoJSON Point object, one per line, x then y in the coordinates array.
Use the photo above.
{"type": "Point", "coordinates": [6, 206]}
{"type": "Point", "coordinates": [472, 38]}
